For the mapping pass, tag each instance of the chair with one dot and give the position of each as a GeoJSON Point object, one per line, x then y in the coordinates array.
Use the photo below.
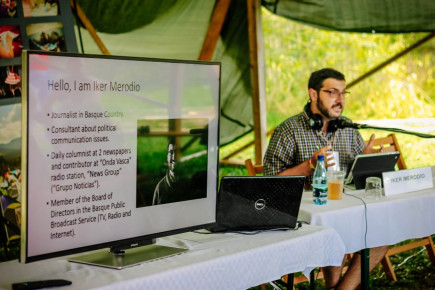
{"type": "Point", "coordinates": [253, 170]}
{"type": "Point", "coordinates": [390, 144]}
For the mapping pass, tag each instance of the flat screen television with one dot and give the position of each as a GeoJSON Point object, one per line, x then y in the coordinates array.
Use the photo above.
{"type": "Point", "coordinates": [116, 152]}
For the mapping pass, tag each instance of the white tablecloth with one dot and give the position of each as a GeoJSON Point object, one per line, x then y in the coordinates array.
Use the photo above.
{"type": "Point", "coordinates": [217, 261]}
{"type": "Point", "coordinates": [390, 220]}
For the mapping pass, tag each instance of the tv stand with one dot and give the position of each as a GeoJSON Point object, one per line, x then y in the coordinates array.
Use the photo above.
{"type": "Point", "coordinates": [122, 259]}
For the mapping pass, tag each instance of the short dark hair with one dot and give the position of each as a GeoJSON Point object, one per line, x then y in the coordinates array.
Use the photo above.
{"type": "Point", "coordinates": [316, 79]}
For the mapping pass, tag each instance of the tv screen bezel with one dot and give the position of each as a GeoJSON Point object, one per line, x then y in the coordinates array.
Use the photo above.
{"type": "Point", "coordinates": [131, 242]}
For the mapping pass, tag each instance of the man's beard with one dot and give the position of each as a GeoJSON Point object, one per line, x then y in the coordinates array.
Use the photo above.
{"type": "Point", "coordinates": [325, 112]}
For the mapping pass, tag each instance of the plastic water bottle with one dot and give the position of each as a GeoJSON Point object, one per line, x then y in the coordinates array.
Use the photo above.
{"type": "Point", "coordinates": [320, 182]}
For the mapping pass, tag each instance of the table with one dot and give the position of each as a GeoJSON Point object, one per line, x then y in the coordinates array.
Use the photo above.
{"type": "Point", "coordinates": [390, 220]}
{"type": "Point", "coordinates": [387, 221]}
{"type": "Point", "coordinates": [214, 261]}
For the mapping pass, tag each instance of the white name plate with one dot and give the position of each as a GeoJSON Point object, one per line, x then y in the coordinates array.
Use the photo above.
{"type": "Point", "coordinates": [396, 182]}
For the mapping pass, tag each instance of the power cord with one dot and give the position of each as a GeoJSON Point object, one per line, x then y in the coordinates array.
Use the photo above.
{"type": "Point", "coordinates": [365, 216]}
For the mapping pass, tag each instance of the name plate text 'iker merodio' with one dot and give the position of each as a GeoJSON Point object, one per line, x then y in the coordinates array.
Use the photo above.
{"type": "Point", "coordinates": [402, 181]}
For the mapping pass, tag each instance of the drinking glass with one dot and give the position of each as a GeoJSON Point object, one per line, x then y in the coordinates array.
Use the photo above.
{"type": "Point", "coordinates": [373, 188]}
{"type": "Point", "coordinates": [335, 184]}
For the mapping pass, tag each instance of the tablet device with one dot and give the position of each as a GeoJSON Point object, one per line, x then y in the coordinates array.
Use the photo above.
{"type": "Point", "coordinates": [366, 165]}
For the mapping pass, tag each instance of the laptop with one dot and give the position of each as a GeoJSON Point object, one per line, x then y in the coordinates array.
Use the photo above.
{"type": "Point", "coordinates": [366, 165]}
{"type": "Point", "coordinates": [255, 203]}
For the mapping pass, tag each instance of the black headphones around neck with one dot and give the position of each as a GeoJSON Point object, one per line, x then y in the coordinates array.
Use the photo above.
{"type": "Point", "coordinates": [316, 120]}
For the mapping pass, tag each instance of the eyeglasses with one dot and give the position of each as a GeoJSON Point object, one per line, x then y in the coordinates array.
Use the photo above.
{"type": "Point", "coordinates": [335, 94]}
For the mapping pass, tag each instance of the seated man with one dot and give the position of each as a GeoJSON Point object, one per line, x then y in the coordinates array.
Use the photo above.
{"type": "Point", "coordinates": [296, 143]}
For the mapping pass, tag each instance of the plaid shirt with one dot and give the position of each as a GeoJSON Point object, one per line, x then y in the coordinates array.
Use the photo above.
{"type": "Point", "coordinates": [294, 142]}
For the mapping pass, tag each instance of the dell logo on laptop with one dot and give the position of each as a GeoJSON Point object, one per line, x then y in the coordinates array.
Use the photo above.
{"type": "Point", "coordinates": [260, 204]}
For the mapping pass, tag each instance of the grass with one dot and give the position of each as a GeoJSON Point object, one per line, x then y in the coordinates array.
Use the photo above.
{"type": "Point", "coordinates": [413, 269]}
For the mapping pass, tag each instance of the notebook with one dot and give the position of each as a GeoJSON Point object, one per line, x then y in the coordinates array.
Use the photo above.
{"type": "Point", "coordinates": [252, 203]}
{"type": "Point", "coordinates": [366, 165]}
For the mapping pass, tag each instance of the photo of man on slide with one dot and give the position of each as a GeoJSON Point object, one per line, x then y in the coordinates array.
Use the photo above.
{"type": "Point", "coordinates": [171, 163]}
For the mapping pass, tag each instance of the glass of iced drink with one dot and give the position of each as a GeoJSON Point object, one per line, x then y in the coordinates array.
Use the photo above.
{"type": "Point", "coordinates": [335, 184]}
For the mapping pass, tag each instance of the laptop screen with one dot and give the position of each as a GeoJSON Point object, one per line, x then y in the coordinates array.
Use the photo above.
{"type": "Point", "coordinates": [258, 202]}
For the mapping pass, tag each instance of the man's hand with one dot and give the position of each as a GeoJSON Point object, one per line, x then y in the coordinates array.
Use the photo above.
{"type": "Point", "coordinates": [323, 151]}
{"type": "Point", "coordinates": [304, 168]}
{"type": "Point", "coordinates": [369, 147]}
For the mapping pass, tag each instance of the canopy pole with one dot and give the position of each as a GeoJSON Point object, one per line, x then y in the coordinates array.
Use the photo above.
{"type": "Point", "coordinates": [90, 28]}
{"type": "Point", "coordinates": [214, 29]}
{"type": "Point", "coordinates": [256, 58]}
{"type": "Point", "coordinates": [392, 59]}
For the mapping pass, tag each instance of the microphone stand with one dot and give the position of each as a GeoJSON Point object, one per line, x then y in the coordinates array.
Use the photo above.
{"type": "Point", "coordinates": [418, 134]}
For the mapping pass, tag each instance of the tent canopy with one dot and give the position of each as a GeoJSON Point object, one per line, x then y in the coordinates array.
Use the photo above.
{"type": "Point", "coordinates": [389, 16]}
{"type": "Point", "coordinates": [384, 16]}
{"type": "Point", "coordinates": [176, 29]}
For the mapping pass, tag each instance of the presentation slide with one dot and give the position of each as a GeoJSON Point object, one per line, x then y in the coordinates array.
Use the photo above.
{"type": "Point", "coordinates": [117, 148]}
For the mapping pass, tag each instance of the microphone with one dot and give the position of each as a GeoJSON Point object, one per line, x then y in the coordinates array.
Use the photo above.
{"type": "Point", "coordinates": [342, 123]}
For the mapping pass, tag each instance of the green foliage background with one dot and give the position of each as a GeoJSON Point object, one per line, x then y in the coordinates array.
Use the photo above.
{"type": "Point", "coordinates": [403, 89]}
